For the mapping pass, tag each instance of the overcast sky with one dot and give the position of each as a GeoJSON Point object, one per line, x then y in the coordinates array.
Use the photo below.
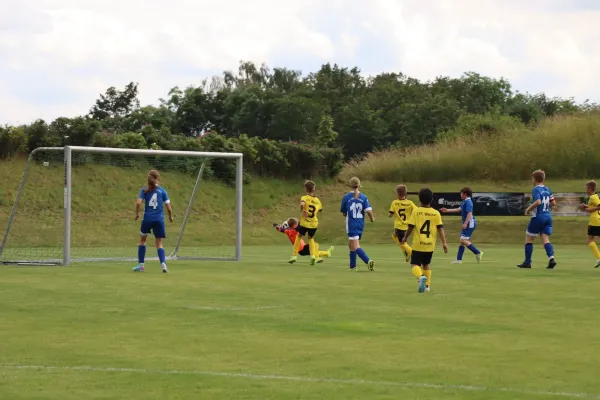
{"type": "Point", "coordinates": [56, 56]}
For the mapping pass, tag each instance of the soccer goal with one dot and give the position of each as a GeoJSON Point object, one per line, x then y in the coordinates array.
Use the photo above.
{"type": "Point", "coordinates": [77, 204]}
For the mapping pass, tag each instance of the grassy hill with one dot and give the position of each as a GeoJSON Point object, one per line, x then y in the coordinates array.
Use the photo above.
{"type": "Point", "coordinates": [566, 147]}
{"type": "Point", "coordinates": [104, 196]}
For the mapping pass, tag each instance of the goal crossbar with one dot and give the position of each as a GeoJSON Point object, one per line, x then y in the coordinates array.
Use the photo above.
{"type": "Point", "coordinates": [67, 207]}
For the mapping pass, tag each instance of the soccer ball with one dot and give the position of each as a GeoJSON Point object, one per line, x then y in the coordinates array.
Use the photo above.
{"type": "Point", "coordinates": [285, 225]}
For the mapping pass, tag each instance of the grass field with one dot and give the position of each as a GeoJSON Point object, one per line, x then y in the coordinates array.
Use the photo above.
{"type": "Point", "coordinates": [262, 329]}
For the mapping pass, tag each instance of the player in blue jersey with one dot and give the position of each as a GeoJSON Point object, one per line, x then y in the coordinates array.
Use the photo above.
{"type": "Point", "coordinates": [155, 198]}
{"type": "Point", "coordinates": [354, 206]}
{"type": "Point", "coordinates": [541, 219]}
{"type": "Point", "coordinates": [468, 225]}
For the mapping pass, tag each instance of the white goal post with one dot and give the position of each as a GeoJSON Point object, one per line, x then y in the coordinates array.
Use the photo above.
{"type": "Point", "coordinates": [48, 178]}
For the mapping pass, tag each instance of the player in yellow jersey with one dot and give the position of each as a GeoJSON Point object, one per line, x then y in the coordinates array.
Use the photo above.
{"type": "Point", "coordinates": [593, 208]}
{"type": "Point", "coordinates": [401, 209]}
{"type": "Point", "coordinates": [428, 223]}
{"type": "Point", "coordinates": [310, 207]}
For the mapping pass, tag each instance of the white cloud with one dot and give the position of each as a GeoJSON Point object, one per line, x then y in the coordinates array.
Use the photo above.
{"type": "Point", "coordinates": [57, 55]}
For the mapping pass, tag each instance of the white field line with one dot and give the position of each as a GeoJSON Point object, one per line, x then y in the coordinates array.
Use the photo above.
{"type": "Point", "coordinates": [438, 386]}
{"type": "Point", "coordinates": [232, 308]}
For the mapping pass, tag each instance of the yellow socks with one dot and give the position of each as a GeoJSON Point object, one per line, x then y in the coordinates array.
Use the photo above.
{"type": "Point", "coordinates": [312, 246]}
{"type": "Point", "coordinates": [397, 240]}
{"type": "Point", "coordinates": [297, 246]}
{"type": "Point", "coordinates": [595, 250]}
{"type": "Point", "coordinates": [427, 273]}
{"type": "Point", "coordinates": [416, 271]}
{"type": "Point", "coordinates": [406, 248]}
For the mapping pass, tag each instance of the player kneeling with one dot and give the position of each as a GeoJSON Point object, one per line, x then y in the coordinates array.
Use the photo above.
{"type": "Point", "coordinates": [289, 228]}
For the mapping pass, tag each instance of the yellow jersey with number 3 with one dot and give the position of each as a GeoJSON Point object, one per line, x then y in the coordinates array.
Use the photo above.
{"type": "Point", "coordinates": [594, 201]}
{"type": "Point", "coordinates": [426, 221]}
{"type": "Point", "coordinates": [402, 210]}
{"type": "Point", "coordinates": [313, 207]}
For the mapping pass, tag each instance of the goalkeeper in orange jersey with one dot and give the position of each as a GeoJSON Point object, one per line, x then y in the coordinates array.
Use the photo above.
{"type": "Point", "coordinates": [289, 228]}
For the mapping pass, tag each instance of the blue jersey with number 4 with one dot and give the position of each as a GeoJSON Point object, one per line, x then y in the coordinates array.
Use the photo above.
{"type": "Point", "coordinates": [543, 194]}
{"type": "Point", "coordinates": [355, 212]}
{"type": "Point", "coordinates": [154, 202]}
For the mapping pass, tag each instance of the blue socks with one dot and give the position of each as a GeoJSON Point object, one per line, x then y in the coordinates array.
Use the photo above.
{"type": "Point", "coordinates": [161, 255]}
{"type": "Point", "coordinates": [461, 251]}
{"type": "Point", "coordinates": [141, 254]}
{"type": "Point", "coordinates": [549, 249]}
{"type": "Point", "coordinates": [352, 259]}
{"type": "Point", "coordinates": [474, 249]}
{"type": "Point", "coordinates": [528, 252]}
{"type": "Point", "coordinates": [363, 256]}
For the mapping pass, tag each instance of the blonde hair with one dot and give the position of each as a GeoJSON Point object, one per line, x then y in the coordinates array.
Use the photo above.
{"type": "Point", "coordinates": [355, 185]}
{"type": "Point", "coordinates": [153, 178]}
{"type": "Point", "coordinates": [309, 186]}
{"type": "Point", "coordinates": [401, 190]}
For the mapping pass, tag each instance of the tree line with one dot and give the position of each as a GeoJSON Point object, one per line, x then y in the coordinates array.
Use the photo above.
{"type": "Point", "coordinates": [293, 125]}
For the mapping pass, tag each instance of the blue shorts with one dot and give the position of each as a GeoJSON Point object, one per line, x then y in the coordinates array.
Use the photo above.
{"type": "Point", "coordinates": [540, 225]}
{"type": "Point", "coordinates": [466, 233]}
{"type": "Point", "coordinates": [156, 227]}
{"type": "Point", "coordinates": [354, 235]}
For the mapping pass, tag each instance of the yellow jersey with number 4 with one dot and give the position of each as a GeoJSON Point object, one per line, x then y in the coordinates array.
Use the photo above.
{"type": "Point", "coordinates": [313, 207]}
{"type": "Point", "coordinates": [402, 210]}
{"type": "Point", "coordinates": [426, 221]}
{"type": "Point", "coordinates": [594, 201]}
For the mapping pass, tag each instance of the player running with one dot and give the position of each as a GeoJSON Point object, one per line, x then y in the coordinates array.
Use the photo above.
{"type": "Point", "coordinates": [541, 220]}
{"type": "Point", "coordinates": [593, 208]}
{"type": "Point", "coordinates": [310, 206]}
{"type": "Point", "coordinates": [428, 222]}
{"type": "Point", "coordinates": [401, 209]}
{"type": "Point", "coordinates": [289, 228]}
{"type": "Point", "coordinates": [155, 198]}
{"type": "Point", "coordinates": [468, 225]}
{"type": "Point", "coordinates": [353, 207]}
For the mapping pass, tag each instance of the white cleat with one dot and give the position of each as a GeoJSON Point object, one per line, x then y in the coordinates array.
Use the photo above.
{"type": "Point", "coordinates": [478, 257]}
{"type": "Point", "coordinates": [427, 289]}
{"type": "Point", "coordinates": [456, 262]}
{"type": "Point", "coordinates": [164, 268]}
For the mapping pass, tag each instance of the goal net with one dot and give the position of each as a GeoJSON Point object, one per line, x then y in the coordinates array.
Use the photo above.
{"type": "Point", "coordinates": [78, 204]}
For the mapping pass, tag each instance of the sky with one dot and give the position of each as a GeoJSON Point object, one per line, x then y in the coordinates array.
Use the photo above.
{"type": "Point", "coordinates": [57, 56]}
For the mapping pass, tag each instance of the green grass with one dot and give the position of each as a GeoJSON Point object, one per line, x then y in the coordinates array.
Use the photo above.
{"type": "Point", "coordinates": [262, 329]}
{"type": "Point", "coordinates": [103, 211]}
{"type": "Point", "coordinates": [565, 147]}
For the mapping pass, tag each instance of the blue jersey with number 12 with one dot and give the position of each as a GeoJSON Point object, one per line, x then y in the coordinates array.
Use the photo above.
{"type": "Point", "coordinates": [355, 212]}
{"type": "Point", "coordinates": [154, 202]}
{"type": "Point", "coordinates": [543, 194]}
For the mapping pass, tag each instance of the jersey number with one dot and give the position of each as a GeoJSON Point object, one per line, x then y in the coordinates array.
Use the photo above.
{"type": "Point", "coordinates": [401, 214]}
{"type": "Point", "coordinates": [153, 201]}
{"type": "Point", "coordinates": [311, 211]}
{"type": "Point", "coordinates": [356, 209]}
{"type": "Point", "coordinates": [426, 229]}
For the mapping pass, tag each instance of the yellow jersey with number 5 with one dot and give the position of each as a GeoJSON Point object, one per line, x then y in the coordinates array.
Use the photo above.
{"type": "Point", "coordinates": [426, 221]}
{"type": "Point", "coordinates": [402, 210]}
{"type": "Point", "coordinates": [594, 201]}
{"type": "Point", "coordinates": [313, 207]}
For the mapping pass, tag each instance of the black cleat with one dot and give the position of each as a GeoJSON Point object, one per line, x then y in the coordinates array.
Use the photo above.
{"type": "Point", "coordinates": [524, 265]}
{"type": "Point", "coordinates": [551, 264]}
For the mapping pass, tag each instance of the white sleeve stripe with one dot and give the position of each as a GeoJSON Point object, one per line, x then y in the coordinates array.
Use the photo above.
{"type": "Point", "coordinates": [368, 208]}
{"type": "Point", "coordinates": [167, 201]}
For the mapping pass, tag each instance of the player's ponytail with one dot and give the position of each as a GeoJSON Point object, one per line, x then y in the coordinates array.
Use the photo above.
{"type": "Point", "coordinates": [153, 178]}
{"type": "Point", "coordinates": [355, 185]}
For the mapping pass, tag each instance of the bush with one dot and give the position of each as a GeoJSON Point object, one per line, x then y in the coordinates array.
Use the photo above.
{"type": "Point", "coordinates": [565, 147]}
{"type": "Point", "coordinates": [12, 141]}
